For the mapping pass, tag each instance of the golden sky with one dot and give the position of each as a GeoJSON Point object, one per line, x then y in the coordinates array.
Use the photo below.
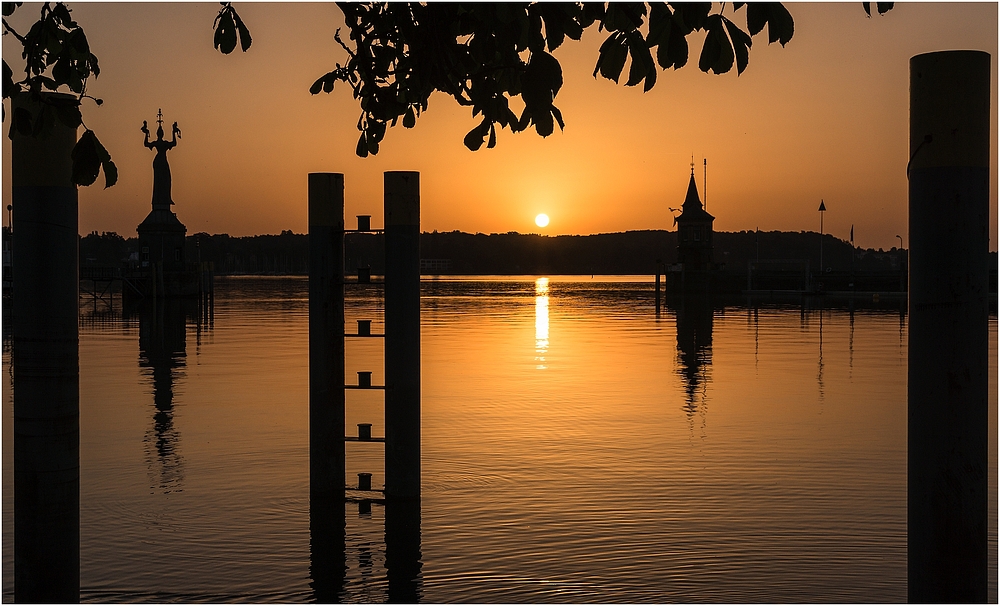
{"type": "Point", "coordinates": [824, 117]}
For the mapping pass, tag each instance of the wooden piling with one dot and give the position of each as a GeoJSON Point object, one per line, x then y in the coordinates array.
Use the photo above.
{"type": "Point", "coordinates": [402, 334]}
{"type": "Point", "coordinates": [326, 335]}
{"type": "Point", "coordinates": [46, 366]}
{"type": "Point", "coordinates": [947, 386]}
{"type": "Point", "coordinates": [657, 288]}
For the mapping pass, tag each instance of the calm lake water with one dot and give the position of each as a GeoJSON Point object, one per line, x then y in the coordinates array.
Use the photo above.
{"type": "Point", "coordinates": [576, 448]}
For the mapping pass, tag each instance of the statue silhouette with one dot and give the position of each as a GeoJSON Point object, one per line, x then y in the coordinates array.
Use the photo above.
{"type": "Point", "coordinates": [161, 169]}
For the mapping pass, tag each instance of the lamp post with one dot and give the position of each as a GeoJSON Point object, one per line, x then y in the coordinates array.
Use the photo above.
{"type": "Point", "coordinates": [822, 209]}
{"type": "Point", "coordinates": [902, 265]}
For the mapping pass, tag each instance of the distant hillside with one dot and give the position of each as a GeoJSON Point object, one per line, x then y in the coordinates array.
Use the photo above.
{"type": "Point", "coordinates": [633, 252]}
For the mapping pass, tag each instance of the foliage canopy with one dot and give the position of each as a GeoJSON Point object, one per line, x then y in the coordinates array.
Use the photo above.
{"type": "Point", "coordinates": [57, 58]}
{"type": "Point", "coordinates": [483, 55]}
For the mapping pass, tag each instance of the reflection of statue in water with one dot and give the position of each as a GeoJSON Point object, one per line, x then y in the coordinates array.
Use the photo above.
{"type": "Point", "coordinates": [161, 170]}
{"type": "Point", "coordinates": [162, 347]}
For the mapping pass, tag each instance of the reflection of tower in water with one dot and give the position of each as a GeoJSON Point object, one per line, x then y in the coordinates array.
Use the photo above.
{"type": "Point", "coordinates": [162, 352]}
{"type": "Point", "coordinates": [694, 353]}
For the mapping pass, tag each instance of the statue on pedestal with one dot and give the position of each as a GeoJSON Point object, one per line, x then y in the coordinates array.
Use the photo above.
{"type": "Point", "coordinates": [161, 169]}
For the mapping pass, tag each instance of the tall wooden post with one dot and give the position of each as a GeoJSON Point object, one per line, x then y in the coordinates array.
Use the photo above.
{"type": "Point", "coordinates": [947, 451]}
{"type": "Point", "coordinates": [657, 286]}
{"type": "Point", "coordinates": [46, 367]}
{"type": "Point", "coordinates": [402, 335]}
{"type": "Point", "coordinates": [326, 335]}
{"type": "Point", "coordinates": [327, 564]}
{"type": "Point", "coordinates": [402, 385]}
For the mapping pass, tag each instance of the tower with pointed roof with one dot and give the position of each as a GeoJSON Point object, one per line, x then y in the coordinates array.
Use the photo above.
{"type": "Point", "coordinates": [694, 232]}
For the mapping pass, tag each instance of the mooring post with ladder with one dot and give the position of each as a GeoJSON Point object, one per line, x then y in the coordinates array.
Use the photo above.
{"type": "Point", "coordinates": [327, 388]}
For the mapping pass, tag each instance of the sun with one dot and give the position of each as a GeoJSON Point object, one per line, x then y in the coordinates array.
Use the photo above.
{"type": "Point", "coordinates": [542, 220]}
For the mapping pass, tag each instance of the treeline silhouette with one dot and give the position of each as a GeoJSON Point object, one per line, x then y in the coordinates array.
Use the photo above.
{"type": "Point", "coordinates": [624, 253]}
{"type": "Point", "coordinates": [637, 252]}
{"type": "Point", "coordinates": [632, 252]}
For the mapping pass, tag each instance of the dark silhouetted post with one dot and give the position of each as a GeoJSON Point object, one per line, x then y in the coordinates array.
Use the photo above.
{"type": "Point", "coordinates": [822, 212]}
{"type": "Point", "coordinates": [46, 368]}
{"type": "Point", "coordinates": [327, 560]}
{"type": "Point", "coordinates": [402, 381]}
{"type": "Point", "coordinates": [402, 335]}
{"type": "Point", "coordinates": [947, 468]}
{"type": "Point", "coordinates": [326, 335]}
{"type": "Point", "coordinates": [658, 271]}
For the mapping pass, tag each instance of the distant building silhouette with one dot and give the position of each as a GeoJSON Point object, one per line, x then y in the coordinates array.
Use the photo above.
{"type": "Point", "coordinates": [694, 232]}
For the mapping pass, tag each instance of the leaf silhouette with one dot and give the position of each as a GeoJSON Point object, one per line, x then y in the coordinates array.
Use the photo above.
{"type": "Point", "coordinates": [717, 53]}
{"type": "Point", "coordinates": [611, 60]}
{"type": "Point", "coordinates": [86, 162]}
{"type": "Point", "coordinates": [741, 44]}
{"type": "Point", "coordinates": [780, 26]}
{"type": "Point", "coordinates": [228, 28]}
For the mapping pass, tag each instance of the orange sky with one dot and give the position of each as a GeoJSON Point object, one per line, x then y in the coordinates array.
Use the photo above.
{"type": "Point", "coordinates": [825, 117]}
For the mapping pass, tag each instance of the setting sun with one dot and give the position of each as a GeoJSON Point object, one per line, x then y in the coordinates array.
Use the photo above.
{"type": "Point", "coordinates": [542, 220]}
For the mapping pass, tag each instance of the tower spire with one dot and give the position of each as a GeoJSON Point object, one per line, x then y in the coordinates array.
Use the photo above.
{"type": "Point", "coordinates": [692, 165]}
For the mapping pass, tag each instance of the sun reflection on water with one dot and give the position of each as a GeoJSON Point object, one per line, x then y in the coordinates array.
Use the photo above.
{"type": "Point", "coordinates": [541, 321]}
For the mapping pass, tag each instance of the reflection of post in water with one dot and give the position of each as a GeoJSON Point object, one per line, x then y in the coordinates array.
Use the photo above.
{"type": "Point", "coordinates": [402, 549]}
{"type": "Point", "coordinates": [754, 313]}
{"type": "Point", "coordinates": [819, 375]}
{"type": "Point", "coordinates": [162, 352]}
{"type": "Point", "coordinates": [327, 547]}
{"type": "Point", "coordinates": [902, 327]}
{"type": "Point", "coordinates": [694, 349]}
{"type": "Point", "coordinates": [850, 344]}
